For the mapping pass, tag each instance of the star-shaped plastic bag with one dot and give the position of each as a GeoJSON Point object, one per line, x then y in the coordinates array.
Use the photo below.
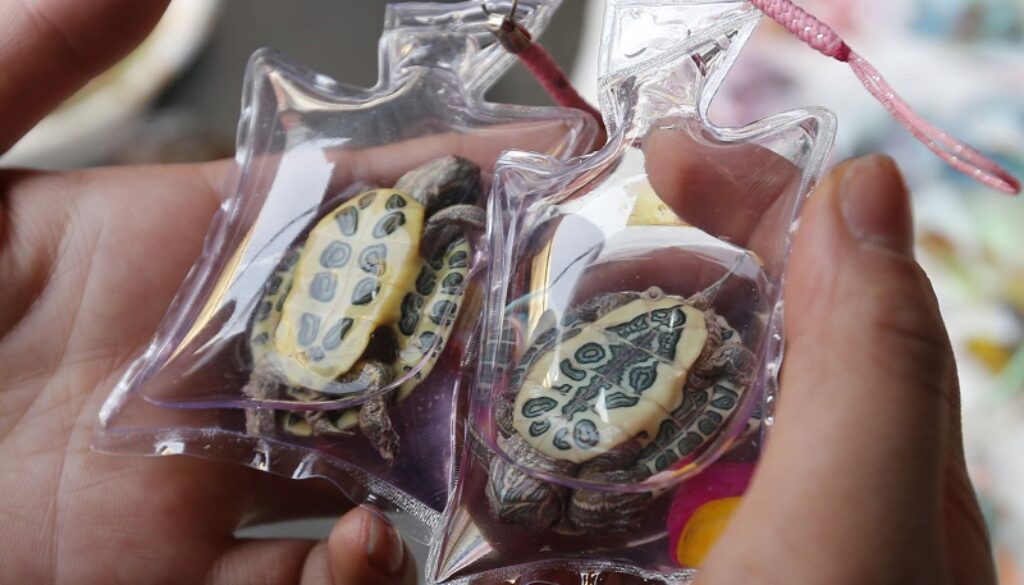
{"type": "Point", "coordinates": [633, 331]}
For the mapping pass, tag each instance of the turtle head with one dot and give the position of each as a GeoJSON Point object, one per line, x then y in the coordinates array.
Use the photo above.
{"type": "Point", "coordinates": [441, 183]}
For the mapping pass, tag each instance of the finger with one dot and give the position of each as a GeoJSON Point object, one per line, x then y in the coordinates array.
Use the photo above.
{"type": "Point", "coordinates": [853, 471]}
{"type": "Point", "coordinates": [362, 549]}
{"type": "Point", "coordinates": [365, 548]}
{"type": "Point", "coordinates": [80, 205]}
{"type": "Point", "coordinates": [51, 48]}
{"type": "Point", "coordinates": [965, 526]}
{"type": "Point", "coordinates": [742, 193]}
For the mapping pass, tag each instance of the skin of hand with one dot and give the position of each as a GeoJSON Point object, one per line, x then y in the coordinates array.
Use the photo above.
{"type": "Point", "coordinates": [89, 261]}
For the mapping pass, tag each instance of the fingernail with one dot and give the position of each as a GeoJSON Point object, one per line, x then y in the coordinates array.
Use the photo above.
{"type": "Point", "coordinates": [876, 205]}
{"type": "Point", "coordinates": [384, 548]}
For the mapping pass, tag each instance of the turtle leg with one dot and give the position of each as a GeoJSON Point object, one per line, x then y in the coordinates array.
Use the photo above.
{"type": "Point", "coordinates": [374, 421]}
{"type": "Point", "coordinates": [366, 374]}
{"type": "Point", "coordinates": [600, 512]}
{"type": "Point", "coordinates": [262, 385]}
{"type": "Point", "coordinates": [725, 374]}
{"type": "Point", "coordinates": [331, 423]}
{"type": "Point", "coordinates": [704, 371]}
{"type": "Point", "coordinates": [447, 225]}
{"type": "Point", "coordinates": [724, 358]}
{"type": "Point", "coordinates": [732, 360]}
{"type": "Point", "coordinates": [516, 497]}
{"type": "Point", "coordinates": [442, 182]}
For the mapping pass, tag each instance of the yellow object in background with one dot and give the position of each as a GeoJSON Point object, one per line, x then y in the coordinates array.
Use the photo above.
{"type": "Point", "coordinates": [649, 209]}
{"type": "Point", "coordinates": [704, 529]}
{"type": "Point", "coordinates": [991, 353]}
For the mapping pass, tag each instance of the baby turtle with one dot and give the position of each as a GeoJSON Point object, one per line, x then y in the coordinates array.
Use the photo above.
{"type": "Point", "coordinates": [626, 386]}
{"type": "Point", "coordinates": [365, 298]}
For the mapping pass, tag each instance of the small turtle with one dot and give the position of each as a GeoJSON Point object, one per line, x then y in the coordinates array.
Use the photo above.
{"type": "Point", "coordinates": [365, 298]}
{"type": "Point", "coordinates": [626, 386]}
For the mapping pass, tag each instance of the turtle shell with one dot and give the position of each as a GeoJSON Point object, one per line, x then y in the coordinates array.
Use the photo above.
{"type": "Point", "coordinates": [268, 312]}
{"type": "Point", "coordinates": [428, 311]}
{"type": "Point", "coordinates": [593, 388]}
{"type": "Point", "coordinates": [700, 415]}
{"type": "Point", "coordinates": [356, 266]}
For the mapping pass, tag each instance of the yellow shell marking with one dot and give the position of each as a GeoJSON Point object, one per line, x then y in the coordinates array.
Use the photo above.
{"type": "Point", "coordinates": [357, 265]}
{"type": "Point", "coordinates": [547, 380]}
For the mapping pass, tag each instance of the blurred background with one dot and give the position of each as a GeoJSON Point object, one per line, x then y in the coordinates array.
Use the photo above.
{"type": "Point", "coordinates": [959, 62]}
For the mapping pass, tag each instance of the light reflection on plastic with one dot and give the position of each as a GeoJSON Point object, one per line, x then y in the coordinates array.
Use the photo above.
{"type": "Point", "coordinates": [303, 175]}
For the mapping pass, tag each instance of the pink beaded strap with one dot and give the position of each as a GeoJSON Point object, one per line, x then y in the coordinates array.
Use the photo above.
{"type": "Point", "coordinates": [955, 152]}
{"type": "Point", "coordinates": [518, 41]}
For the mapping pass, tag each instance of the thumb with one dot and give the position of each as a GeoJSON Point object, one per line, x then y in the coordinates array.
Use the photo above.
{"type": "Point", "coordinates": [850, 486]}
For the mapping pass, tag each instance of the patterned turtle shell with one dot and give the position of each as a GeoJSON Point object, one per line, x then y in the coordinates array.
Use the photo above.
{"type": "Point", "coordinates": [586, 388]}
{"type": "Point", "coordinates": [359, 269]}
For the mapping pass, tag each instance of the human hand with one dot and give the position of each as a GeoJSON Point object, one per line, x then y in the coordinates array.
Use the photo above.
{"type": "Point", "coordinates": [88, 263]}
{"type": "Point", "coordinates": [863, 479]}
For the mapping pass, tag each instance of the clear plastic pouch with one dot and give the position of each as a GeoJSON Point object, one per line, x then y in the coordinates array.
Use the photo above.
{"type": "Point", "coordinates": [322, 330]}
{"type": "Point", "coordinates": [633, 332]}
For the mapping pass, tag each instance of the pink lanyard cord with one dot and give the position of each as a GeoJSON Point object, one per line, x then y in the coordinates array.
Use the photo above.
{"type": "Point", "coordinates": [517, 40]}
{"type": "Point", "coordinates": [826, 41]}
{"type": "Point", "coordinates": [543, 67]}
